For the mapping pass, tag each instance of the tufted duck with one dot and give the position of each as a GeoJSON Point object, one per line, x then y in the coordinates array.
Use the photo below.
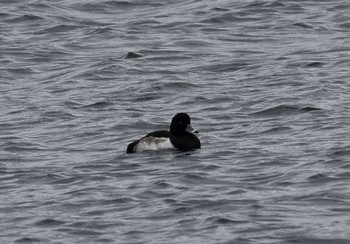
{"type": "Point", "coordinates": [180, 136]}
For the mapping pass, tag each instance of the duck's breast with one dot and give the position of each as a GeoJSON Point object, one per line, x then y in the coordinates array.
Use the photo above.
{"type": "Point", "coordinates": [153, 143]}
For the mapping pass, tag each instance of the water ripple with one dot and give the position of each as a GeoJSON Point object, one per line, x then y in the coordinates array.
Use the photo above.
{"type": "Point", "coordinates": [265, 83]}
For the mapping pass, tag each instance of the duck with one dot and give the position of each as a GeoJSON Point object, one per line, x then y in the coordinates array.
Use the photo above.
{"type": "Point", "coordinates": [180, 136]}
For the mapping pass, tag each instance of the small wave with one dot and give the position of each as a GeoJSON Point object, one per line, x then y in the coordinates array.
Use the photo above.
{"type": "Point", "coordinates": [22, 71]}
{"type": "Point", "coordinates": [316, 240]}
{"type": "Point", "coordinates": [306, 64]}
{"type": "Point", "coordinates": [207, 204]}
{"type": "Point", "coordinates": [345, 25]}
{"type": "Point", "coordinates": [118, 201]}
{"type": "Point", "coordinates": [211, 167]}
{"type": "Point", "coordinates": [85, 232]}
{"type": "Point", "coordinates": [303, 25]}
{"type": "Point", "coordinates": [226, 67]}
{"type": "Point", "coordinates": [103, 6]}
{"type": "Point", "coordinates": [283, 110]}
{"type": "Point", "coordinates": [4, 15]}
{"type": "Point", "coordinates": [314, 65]}
{"type": "Point", "coordinates": [30, 240]}
{"type": "Point", "coordinates": [340, 152]}
{"type": "Point", "coordinates": [223, 220]}
{"type": "Point", "coordinates": [132, 55]}
{"type": "Point", "coordinates": [228, 17]}
{"type": "Point", "coordinates": [66, 181]}
{"type": "Point", "coordinates": [182, 209]}
{"type": "Point", "coordinates": [25, 18]}
{"type": "Point", "coordinates": [147, 97]}
{"type": "Point", "coordinates": [162, 184]}
{"type": "Point", "coordinates": [56, 115]}
{"type": "Point", "coordinates": [174, 86]}
{"type": "Point", "coordinates": [49, 223]}
{"type": "Point", "coordinates": [194, 178]}
{"type": "Point", "coordinates": [22, 147]}
{"type": "Point", "coordinates": [72, 105]}
{"type": "Point", "coordinates": [97, 105]}
{"type": "Point", "coordinates": [191, 43]}
{"type": "Point", "coordinates": [59, 28]}
{"type": "Point", "coordinates": [45, 178]}
{"type": "Point", "coordinates": [220, 9]}
{"type": "Point", "coordinates": [19, 149]}
{"type": "Point", "coordinates": [101, 31]}
{"type": "Point", "coordinates": [277, 129]}
{"type": "Point", "coordinates": [319, 178]}
{"type": "Point", "coordinates": [257, 5]}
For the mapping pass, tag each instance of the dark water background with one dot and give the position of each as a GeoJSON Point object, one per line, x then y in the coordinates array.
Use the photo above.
{"type": "Point", "coordinates": [266, 84]}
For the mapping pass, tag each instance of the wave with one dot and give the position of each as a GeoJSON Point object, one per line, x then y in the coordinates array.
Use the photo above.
{"type": "Point", "coordinates": [283, 110]}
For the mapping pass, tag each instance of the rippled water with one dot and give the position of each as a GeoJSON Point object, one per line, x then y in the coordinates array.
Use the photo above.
{"type": "Point", "coordinates": [265, 82]}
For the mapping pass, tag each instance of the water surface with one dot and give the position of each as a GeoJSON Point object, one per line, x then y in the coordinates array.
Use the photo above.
{"type": "Point", "coordinates": [265, 82]}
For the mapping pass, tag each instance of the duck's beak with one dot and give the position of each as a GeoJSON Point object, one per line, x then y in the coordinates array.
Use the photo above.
{"type": "Point", "coordinates": [190, 129]}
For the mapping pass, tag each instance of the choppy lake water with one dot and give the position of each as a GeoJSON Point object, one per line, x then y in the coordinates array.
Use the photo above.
{"type": "Point", "coordinates": [265, 82]}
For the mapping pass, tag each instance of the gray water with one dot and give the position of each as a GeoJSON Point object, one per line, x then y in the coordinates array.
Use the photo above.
{"type": "Point", "coordinates": [265, 82]}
